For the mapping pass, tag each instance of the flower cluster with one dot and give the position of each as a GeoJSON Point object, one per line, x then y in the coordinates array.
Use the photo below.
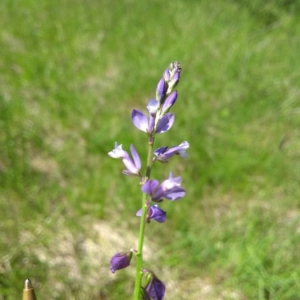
{"type": "Point", "coordinates": [159, 120]}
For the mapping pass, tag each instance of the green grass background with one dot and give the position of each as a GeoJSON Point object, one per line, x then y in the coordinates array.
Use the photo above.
{"type": "Point", "coordinates": [71, 71]}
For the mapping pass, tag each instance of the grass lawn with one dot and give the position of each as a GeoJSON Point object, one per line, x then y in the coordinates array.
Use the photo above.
{"type": "Point", "coordinates": [71, 71]}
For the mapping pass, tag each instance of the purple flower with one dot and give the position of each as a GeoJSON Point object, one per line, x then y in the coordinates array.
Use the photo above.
{"type": "Point", "coordinates": [156, 289]}
{"type": "Point", "coordinates": [169, 189]}
{"type": "Point", "coordinates": [142, 123]}
{"type": "Point", "coordinates": [163, 154]}
{"type": "Point", "coordinates": [165, 123]}
{"type": "Point", "coordinates": [170, 101]}
{"type": "Point", "coordinates": [154, 213]}
{"type": "Point", "coordinates": [133, 164]}
{"type": "Point", "coordinates": [120, 261]}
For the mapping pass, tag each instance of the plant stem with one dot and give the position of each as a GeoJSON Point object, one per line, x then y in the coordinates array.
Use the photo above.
{"type": "Point", "coordinates": [139, 254]}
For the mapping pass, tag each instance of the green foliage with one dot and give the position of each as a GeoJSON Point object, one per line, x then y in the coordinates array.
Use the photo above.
{"type": "Point", "coordinates": [70, 74]}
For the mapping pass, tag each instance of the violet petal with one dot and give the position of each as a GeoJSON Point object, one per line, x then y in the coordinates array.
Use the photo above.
{"type": "Point", "coordinates": [165, 123]}
{"type": "Point", "coordinates": [139, 120]}
{"type": "Point", "coordinates": [150, 186]}
{"type": "Point", "coordinates": [135, 156]}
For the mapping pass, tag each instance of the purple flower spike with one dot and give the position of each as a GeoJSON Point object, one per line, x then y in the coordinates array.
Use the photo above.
{"type": "Point", "coordinates": [165, 123]}
{"type": "Point", "coordinates": [133, 166]}
{"type": "Point", "coordinates": [169, 189]}
{"type": "Point", "coordinates": [156, 289]}
{"type": "Point", "coordinates": [154, 213]}
{"type": "Point", "coordinates": [170, 101]}
{"type": "Point", "coordinates": [140, 121]}
{"type": "Point", "coordinates": [163, 154]}
{"type": "Point", "coordinates": [120, 261]}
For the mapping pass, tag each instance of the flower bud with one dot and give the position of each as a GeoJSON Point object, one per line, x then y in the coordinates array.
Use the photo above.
{"type": "Point", "coordinates": [154, 213]}
{"type": "Point", "coordinates": [174, 80]}
{"type": "Point", "coordinates": [154, 287]}
{"type": "Point", "coordinates": [175, 71]}
{"type": "Point", "coordinates": [161, 90]}
{"type": "Point", "coordinates": [120, 261]}
{"type": "Point", "coordinates": [166, 75]}
{"type": "Point", "coordinates": [170, 101]}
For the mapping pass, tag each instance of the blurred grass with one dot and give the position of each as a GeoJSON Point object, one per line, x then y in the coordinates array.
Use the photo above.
{"type": "Point", "coordinates": [71, 72]}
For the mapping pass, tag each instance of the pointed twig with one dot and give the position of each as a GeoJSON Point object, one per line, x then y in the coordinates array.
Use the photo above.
{"type": "Point", "coordinates": [28, 291]}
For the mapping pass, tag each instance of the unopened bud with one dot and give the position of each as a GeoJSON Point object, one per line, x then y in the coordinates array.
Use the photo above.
{"type": "Point", "coordinates": [120, 261]}
{"type": "Point", "coordinates": [161, 91]}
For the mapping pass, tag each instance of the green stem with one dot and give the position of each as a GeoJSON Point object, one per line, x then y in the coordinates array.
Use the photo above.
{"type": "Point", "coordinates": [139, 254]}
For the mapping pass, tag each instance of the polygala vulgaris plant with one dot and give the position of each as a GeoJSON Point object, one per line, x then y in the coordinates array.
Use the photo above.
{"type": "Point", "coordinates": [159, 120]}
